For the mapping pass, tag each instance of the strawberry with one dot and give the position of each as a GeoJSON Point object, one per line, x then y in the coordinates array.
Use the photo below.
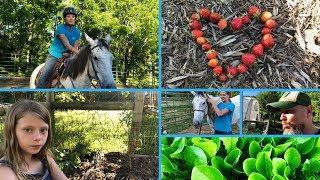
{"type": "Point", "coordinates": [248, 59]}
{"type": "Point", "coordinates": [267, 41]}
{"type": "Point", "coordinates": [201, 40]}
{"type": "Point", "coordinates": [196, 33]}
{"type": "Point", "coordinates": [254, 11]}
{"type": "Point", "coordinates": [258, 50]}
{"type": "Point", "coordinates": [204, 13]}
{"type": "Point", "coordinates": [242, 68]}
{"type": "Point", "coordinates": [195, 16]}
{"type": "Point", "coordinates": [265, 31]}
{"type": "Point", "coordinates": [211, 54]}
{"type": "Point", "coordinates": [213, 63]}
{"type": "Point", "coordinates": [245, 19]}
{"type": "Point", "coordinates": [270, 24]}
{"type": "Point", "coordinates": [222, 24]}
{"type": "Point", "coordinates": [223, 78]}
{"type": "Point", "coordinates": [265, 16]}
{"type": "Point", "coordinates": [232, 71]}
{"type": "Point", "coordinates": [236, 23]}
{"type": "Point", "coordinates": [206, 46]}
{"type": "Point", "coordinates": [195, 25]}
{"type": "Point", "coordinates": [217, 70]}
{"type": "Point", "coordinates": [215, 17]}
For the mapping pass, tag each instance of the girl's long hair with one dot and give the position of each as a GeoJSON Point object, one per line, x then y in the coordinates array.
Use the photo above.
{"type": "Point", "coordinates": [11, 150]}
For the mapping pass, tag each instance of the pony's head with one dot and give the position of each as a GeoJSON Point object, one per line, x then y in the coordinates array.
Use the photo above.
{"type": "Point", "coordinates": [200, 108]}
{"type": "Point", "coordinates": [101, 60]}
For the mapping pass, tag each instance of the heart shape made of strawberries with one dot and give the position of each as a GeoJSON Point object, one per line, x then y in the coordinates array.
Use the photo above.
{"type": "Point", "coordinates": [248, 58]}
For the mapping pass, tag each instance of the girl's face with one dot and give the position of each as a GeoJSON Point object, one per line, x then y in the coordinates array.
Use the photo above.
{"type": "Point", "coordinates": [224, 96]}
{"type": "Point", "coordinates": [32, 133]}
{"type": "Point", "coordinates": [70, 19]}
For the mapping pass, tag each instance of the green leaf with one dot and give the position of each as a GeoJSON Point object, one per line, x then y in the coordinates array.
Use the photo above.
{"type": "Point", "coordinates": [167, 166]}
{"type": "Point", "coordinates": [230, 143]}
{"type": "Point", "coordinates": [249, 166]}
{"type": "Point", "coordinates": [264, 164]}
{"type": "Point", "coordinates": [218, 163]}
{"type": "Point", "coordinates": [305, 145]}
{"type": "Point", "coordinates": [315, 153]}
{"type": "Point", "coordinates": [256, 176]}
{"type": "Point", "coordinates": [293, 158]}
{"type": "Point", "coordinates": [267, 147]}
{"type": "Point", "coordinates": [278, 166]}
{"type": "Point", "coordinates": [173, 147]}
{"type": "Point", "coordinates": [208, 146]}
{"type": "Point", "coordinates": [178, 153]}
{"type": "Point", "coordinates": [307, 169]}
{"type": "Point", "coordinates": [205, 172]}
{"type": "Point", "coordinates": [277, 177]}
{"type": "Point", "coordinates": [281, 148]}
{"type": "Point", "coordinates": [194, 156]}
{"type": "Point", "coordinates": [233, 157]}
{"type": "Point", "coordinates": [287, 172]}
{"type": "Point", "coordinates": [217, 142]}
{"type": "Point", "coordinates": [254, 149]}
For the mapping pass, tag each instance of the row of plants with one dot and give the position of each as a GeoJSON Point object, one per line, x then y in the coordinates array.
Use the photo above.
{"type": "Point", "coordinates": [240, 158]}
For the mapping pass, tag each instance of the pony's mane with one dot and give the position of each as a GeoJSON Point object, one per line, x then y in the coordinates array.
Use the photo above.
{"type": "Point", "coordinates": [76, 65]}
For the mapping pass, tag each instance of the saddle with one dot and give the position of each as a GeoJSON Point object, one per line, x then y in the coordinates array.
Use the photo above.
{"type": "Point", "coordinates": [53, 80]}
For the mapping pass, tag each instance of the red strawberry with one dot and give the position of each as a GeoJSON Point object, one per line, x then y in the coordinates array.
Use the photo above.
{"type": "Point", "coordinates": [201, 40]}
{"type": "Point", "coordinates": [196, 33]}
{"type": "Point", "coordinates": [245, 19]}
{"type": "Point", "coordinates": [265, 31]}
{"type": "Point", "coordinates": [267, 41]}
{"type": "Point", "coordinates": [204, 13]}
{"type": "Point", "coordinates": [217, 70]}
{"type": "Point", "coordinates": [195, 25]}
{"type": "Point", "coordinates": [270, 24]}
{"type": "Point", "coordinates": [222, 24]}
{"type": "Point", "coordinates": [248, 59]}
{"type": "Point", "coordinates": [236, 23]}
{"type": "Point", "coordinates": [223, 78]}
{"type": "Point", "coordinates": [211, 54]}
{"type": "Point", "coordinates": [215, 17]}
{"type": "Point", "coordinates": [213, 63]}
{"type": "Point", "coordinates": [254, 11]}
{"type": "Point", "coordinates": [258, 50]}
{"type": "Point", "coordinates": [206, 46]}
{"type": "Point", "coordinates": [232, 71]}
{"type": "Point", "coordinates": [265, 16]}
{"type": "Point", "coordinates": [242, 68]}
{"type": "Point", "coordinates": [195, 16]}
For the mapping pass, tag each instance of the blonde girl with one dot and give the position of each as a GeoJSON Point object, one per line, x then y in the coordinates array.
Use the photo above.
{"type": "Point", "coordinates": [27, 138]}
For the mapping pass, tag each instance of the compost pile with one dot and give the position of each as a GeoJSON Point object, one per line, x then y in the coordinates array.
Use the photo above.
{"type": "Point", "coordinates": [294, 61]}
{"type": "Point", "coordinates": [115, 165]}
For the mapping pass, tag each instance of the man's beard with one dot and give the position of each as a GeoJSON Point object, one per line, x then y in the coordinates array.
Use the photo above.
{"type": "Point", "coordinates": [294, 129]}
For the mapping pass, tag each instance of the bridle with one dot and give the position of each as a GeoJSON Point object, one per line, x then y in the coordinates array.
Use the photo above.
{"type": "Point", "coordinates": [204, 111]}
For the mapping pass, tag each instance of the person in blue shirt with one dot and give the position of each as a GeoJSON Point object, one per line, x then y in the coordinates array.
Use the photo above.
{"type": "Point", "coordinates": [224, 112]}
{"type": "Point", "coordinates": [65, 41]}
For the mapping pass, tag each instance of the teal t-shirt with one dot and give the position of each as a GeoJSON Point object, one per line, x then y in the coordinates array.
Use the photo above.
{"type": "Point", "coordinates": [223, 123]}
{"type": "Point", "coordinates": [57, 48]}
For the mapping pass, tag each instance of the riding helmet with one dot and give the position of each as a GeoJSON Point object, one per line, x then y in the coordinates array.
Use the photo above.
{"type": "Point", "coordinates": [69, 10]}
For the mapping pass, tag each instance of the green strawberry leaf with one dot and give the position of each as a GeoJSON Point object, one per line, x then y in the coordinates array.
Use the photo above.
{"type": "Point", "coordinates": [278, 166]}
{"type": "Point", "coordinates": [205, 172]}
{"type": "Point", "coordinates": [264, 164]}
{"type": "Point", "coordinates": [249, 166]}
{"type": "Point", "coordinates": [254, 149]}
{"type": "Point", "coordinates": [256, 176]}
{"type": "Point", "coordinates": [194, 156]}
{"type": "Point", "coordinates": [292, 157]}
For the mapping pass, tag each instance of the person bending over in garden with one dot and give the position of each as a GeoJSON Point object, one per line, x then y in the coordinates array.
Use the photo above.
{"type": "Point", "coordinates": [223, 111]}
{"type": "Point", "coordinates": [65, 41]}
{"type": "Point", "coordinates": [27, 138]}
{"type": "Point", "coordinates": [296, 113]}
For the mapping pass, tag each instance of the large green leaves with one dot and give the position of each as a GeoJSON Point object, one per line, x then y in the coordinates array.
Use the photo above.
{"type": "Point", "coordinates": [194, 156]}
{"type": "Point", "coordinates": [264, 164]}
{"type": "Point", "coordinates": [205, 172]}
{"type": "Point", "coordinates": [292, 157]}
